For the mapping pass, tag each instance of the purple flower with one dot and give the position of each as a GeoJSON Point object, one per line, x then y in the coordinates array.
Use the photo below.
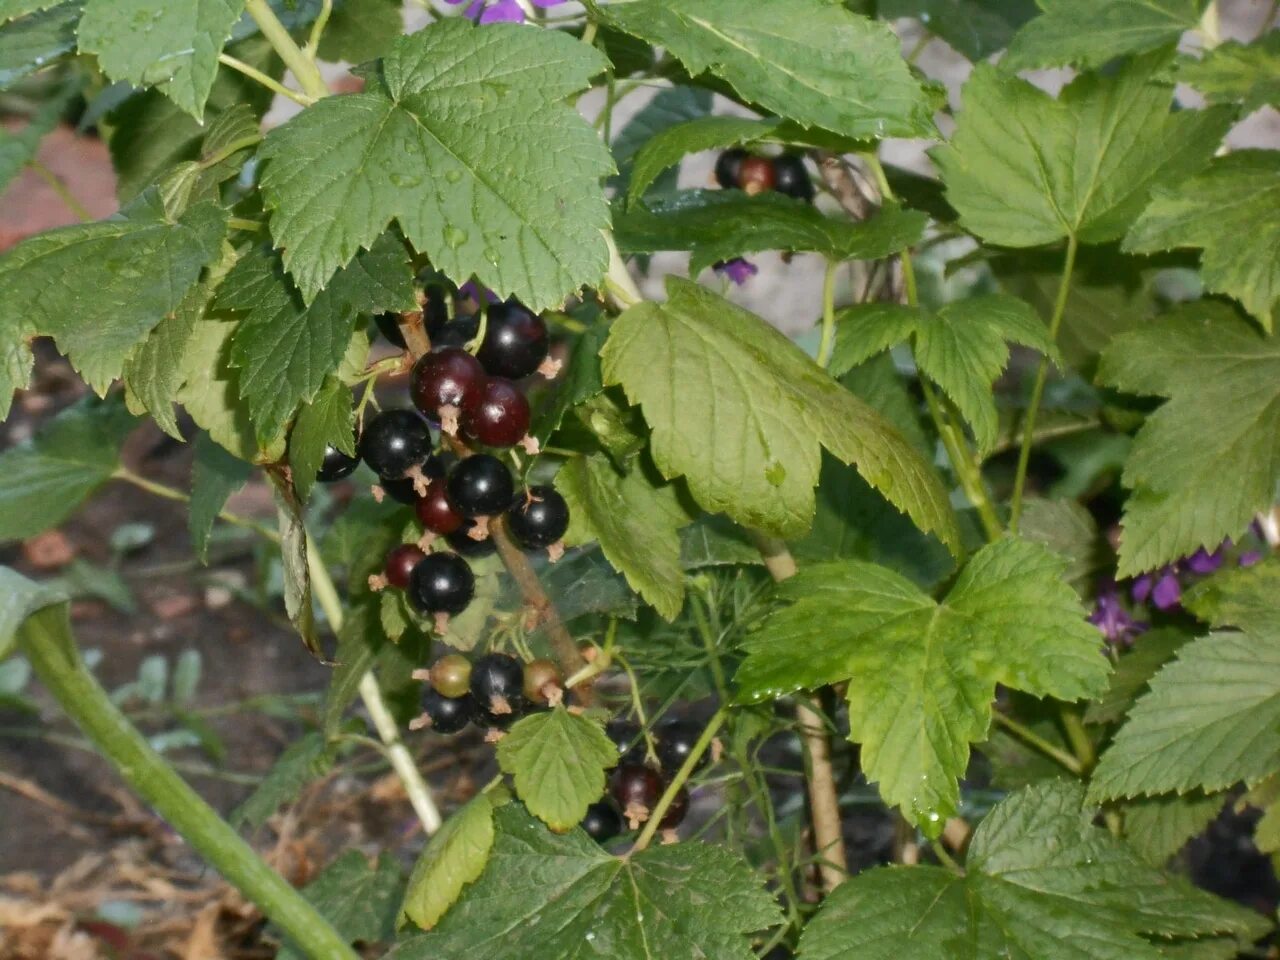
{"type": "Point", "coordinates": [473, 291]}
{"type": "Point", "coordinates": [499, 11]}
{"type": "Point", "coordinates": [1161, 588]}
{"type": "Point", "coordinates": [739, 270]}
{"type": "Point", "coordinates": [1250, 557]}
{"type": "Point", "coordinates": [1113, 620]}
{"type": "Point", "coordinates": [1203, 562]}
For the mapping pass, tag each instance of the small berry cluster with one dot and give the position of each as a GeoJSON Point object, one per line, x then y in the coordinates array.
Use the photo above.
{"type": "Point", "coordinates": [785, 174]}
{"type": "Point", "coordinates": [492, 693]}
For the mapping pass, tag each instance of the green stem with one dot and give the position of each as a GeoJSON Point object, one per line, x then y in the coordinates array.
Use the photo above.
{"type": "Point", "coordinates": [168, 493]}
{"type": "Point", "coordinates": [304, 69]}
{"type": "Point", "coordinates": [241, 223]}
{"type": "Point", "coordinates": [679, 780]}
{"type": "Point", "coordinates": [253, 73]}
{"type": "Point", "coordinates": [60, 188]}
{"type": "Point", "coordinates": [1033, 739]}
{"type": "Point", "coordinates": [44, 638]}
{"type": "Point", "coordinates": [828, 343]}
{"type": "Point", "coordinates": [1037, 389]}
{"type": "Point", "coordinates": [945, 857]}
{"type": "Point", "coordinates": [1081, 742]}
{"type": "Point", "coordinates": [317, 30]}
{"type": "Point", "coordinates": [618, 283]}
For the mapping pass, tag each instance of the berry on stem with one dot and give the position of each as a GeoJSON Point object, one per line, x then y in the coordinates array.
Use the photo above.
{"type": "Point", "coordinates": [451, 675]}
{"type": "Point", "coordinates": [497, 414]}
{"type": "Point", "coordinates": [515, 341]}
{"type": "Point", "coordinates": [399, 565]}
{"type": "Point", "coordinates": [444, 714]}
{"type": "Point", "coordinates": [497, 683]}
{"type": "Point", "coordinates": [674, 742]}
{"type": "Point", "coordinates": [441, 583]}
{"type": "Point", "coordinates": [602, 822]}
{"type": "Point", "coordinates": [729, 167]}
{"type": "Point", "coordinates": [336, 465]}
{"type": "Point", "coordinates": [791, 178]}
{"type": "Point", "coordinates": [436, 513]}
{"type": "Point", "coordinates": [636, 789]}
{"type": "Point", "coordinates": [543, 682]}
{"type": "Point", "coordinates": [467, 541]}
{"type": "Point", "coordinates": [444, 381]}
{"type": "Point", "coordinates": [756, 175]}
{"type": "Point", "coordinates": [396, 442]}
{"type": "Point", "coordinates": [539, 517]}
{"type": "Point", "coordinates": [457, 333]}
{"type": "Point", "coordinates": [480, 486]}
{"type": "Point", "coordinates": [627, 738]}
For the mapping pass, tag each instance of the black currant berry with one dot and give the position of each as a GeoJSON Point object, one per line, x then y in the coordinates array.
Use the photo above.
{"type": "Point", "coordinates": [495, 719]}
{"type": "Point", "coordinates": [791, 178]}
{"type": "Point", "coordinates": [447, 714]}
{"type": "Point", "coordinates": [602, 822]}
{"type": "Point", "coordinates": [538, 517]}
{"type": "Point", "coordinates": [400, 563]}
{"type": "Point", "coordinates": [756, 175]}
{"type": "Point", "coordinates": [636, 789]}
{"type": "Point", "coordinates": [628, 739]}
{"type": "Point", "coordinates": [445, 378]}
{"type": "Point", "coordinates": [461, 542]}
{"type": "Point", "coordinates": [457, 333]}
{"type": "Point", "coordinates": [435, 314]}
{"type": "Point", "coordinates": [405, 490]}
{"type": "Point", "coordinates": [394, 442]}
{"type": "Point", "coordinates": [441, 583]}
{"type": "Point", "coordinates": [497, 683]}
{"type": "Point", "coordinates": [497, 415]}
{"type": "Point", "coordinates": [543, 681]}
{"type": "Point", "coordinates": [435, 512]}
{"type": "Point", "coordinates": [336, 465]}
{"type": "Point", "coordinates": [729, 167]}
{"type": "Point", "coordinates": [676, 811]}
{"type": "Point", "coordinates": [451, 675]}
{"type": "Point", "coordinates": [481, 486]}
{"type": "Point", "coordinates": [515, 341]}
{"type": "Point", "coordinates": [674, 741]}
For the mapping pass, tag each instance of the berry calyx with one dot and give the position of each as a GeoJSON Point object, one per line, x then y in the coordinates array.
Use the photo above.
{"type": "Point", "coordinates": [674, 742]}
{"type": "Point", "coordinates": [443, 382]}
{"type": "Point", "coordinates": [441, 583]}
{"type": "Point", "coordinates": [756, 175]}
{"type": "Point", "coordinates": [451, 675]}
{"type": "Point", "coordinates": [729, 167]}
{"type": "Point", "coordinates": [515, 341]}
{"type": "Point", "coordinates": [497, 414]}
{"type": "Point", "coordinates": [497, 683]}
{"type": "Point", "coordinates": [444, 714]}
{"type": "Point", "coordinates": [466, 542]}
{"type": "Point", "coordinates": [435, 512]}
{"type": "Point", "coordinates": [400, 563]}
{"type": "Point", "coordinates": [636, 789]}
{"type": "Point", "coordinates": [601, 822]}
{"type": "Point", "coordinates": [543, 682]}
{"type": "Point", "coordinates": [791, 177]}
{"type": "Point", "coordinates": [480, 486]}
{"type": "Point", "coordinates": [676, 810]}
{"type": "Point", "coordinates": [395, 442]}
{"type": "Point", "coordinates": [538, 517]}
{"type": "Point", "coordinates": [336, 465]}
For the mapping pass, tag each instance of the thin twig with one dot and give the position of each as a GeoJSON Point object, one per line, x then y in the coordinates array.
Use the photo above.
{"type": "Point", "coordinates": [253, 73]}
{"type": "Point", "coordinates": [60, 188]}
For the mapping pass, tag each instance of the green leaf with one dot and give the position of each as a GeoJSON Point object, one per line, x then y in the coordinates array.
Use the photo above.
{"type": "Point", "coordinates": [359, 899]}
{"type": "Point", "coordinates": [510, 194]}
{"type": "Point", "coordinates": [1231, 212]}
{"type": "Point", "coordinates": [579, 381]}
{"type": "Point", "coordinates": [571, 900]}
{"type": "Point", "coordinates": [359, 30]}
{"type": "Point", "coordinates": [811, 61]}
{"type": "Point", "coordinates": [1024, 169]}
{"type": "Point", "coordinates": [962, 348]}
{"type": "Point", "coordinates": [720, 224]}
{"type": "Point", "coordinates": [975, 28]}
{"type": "Point", "coordinates": [159, 43]}
{"type": "Point", "coordinates": [19, 598]}
{"type": "Point", "coordinates": [1158, 827]}
{"type": "Point", "coordinates": [36, 41]}
{"type": "Point", "coordinates": [453, 858]}
{"type": "Point", "coordinates": [18, 148]}
{"type": "Point", "coordinates": [668, 108]}
{"type": "Point", "coordinates": [306, 759]}
{"type": "Point", "coordinates": [713, 541]}
{"type": "Point", "coordinates": [558, 760]}
{"type": "Point", "coordinates": [1238, 73]}
{"type": "Point", "coordinates": [742, 414]}
{"type": "Point", "coordinates": [327, 420]}
{"type": "Point", "coordinates": [1134, 672]}
{"type": "Point", "coordinates": [1088, 33]}
{"type": "Point", "coordinates": [636, 521]}
{"type": "Point", "coordinates": [1066, 527]}
{"type": "Point", "coordinates": [284, 349]}
{"type": "Point", "coordinates": [1040, 881]}
{"type": "Point", "coordinates": [1222, 379]}
{"type": "Point", "coordinates": [45, 480]}
{"type": "Point", "coordinates": [153, 373]}
{"type": "Point", "coordinates": [215, 475]}
{"type": "Point", "coordinates": [669, 146]}
{"type": "Point", "coordinates": [12, 9]}
{"type": "Point", "coordinates": [923, 674]}
{"type": "Point", "coordinates": [294, 569]}
{"type": "Point", "coordinates": [1244, 597]}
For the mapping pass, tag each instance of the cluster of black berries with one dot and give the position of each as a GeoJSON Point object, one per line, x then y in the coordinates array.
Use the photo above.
{"type": "Point", "coordinates": [492, 693]}
{"type": "Point", "coordinates": [785, 174]}
{"type": "Point", "coordinates": [456, 497]}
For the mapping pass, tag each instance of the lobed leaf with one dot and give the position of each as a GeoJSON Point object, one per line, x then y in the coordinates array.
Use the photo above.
{"type": "Point", "coordinates": [1232, 72]}
{"type": "Point", "coordinates": [1089, 33]}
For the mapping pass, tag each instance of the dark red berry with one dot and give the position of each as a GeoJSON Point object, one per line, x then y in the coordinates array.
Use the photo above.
{"type": "Point", "coordinates": [538, 517]}
{"type": "Point", "coordinates": [336, 465]}
{"type": "Point", "coordinates": [756, 175]}
{"type": "Point", "coordinates": [515, 341]}
{"type": "Point", "coordinates": [445, 378]}
{"type": "Point", "coordinates": [461, 541]}
{"type": "Point", "coordinates": [447, 714]}
{"type": "Point", "coordinates": [542, 681]}
{"type": "Point", "coordinates": [394, 442]}
{"type": "Point", "coordinates": [451, 675]}
{"type": "Point", "coordinates": [497, 683]}
{"type": "Point", "coordinates": [674, 740]}
{"type": "Point", "coordinates": [628, 739]}
{"type": "Point", "coordinates": [497, 415]}
{"type": "Point", "coordinates": [602, 822]}
{"type": "Point", "coordinates": [480, 486]}
{"type": "Point", "coordinates": [729, 167]}
{"type": "Point", "coordinates": [791, 177]}
{"type": "Point", "coordinates": [676, 811]}
{"type": "Point", "coordinates": [441, 583]}
{"type": "Point", "coordinates": [636, 789]}
{"type": "Point", "coordinates": [400, 563]}
{"type": "Point", "coordinates": [436, 513]}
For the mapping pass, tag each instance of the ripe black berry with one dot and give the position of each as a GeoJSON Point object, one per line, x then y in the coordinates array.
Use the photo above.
{"type": "Point", "coordinates": [497, 414]}
{"type": "Point", "coordinates": [636, 789]}
{"type": "Point", "coordinates": [405, 489]}
{"type": "Point", "coordinates": [451, 675]}
{"type": "Point", "coordinates": [461, 542]}
{"type": "Point", "coordinates": [543, 681]}
{"type": "Point", "coordinates": [480, 486]}
{"type": "Point", "coordinates": [674, 741]}
{"type": "Point", "coordinates": [400, 563]}
{"type": "Point", "coordinates": [336, 465]}
{"type": "Point", "coordinates": [497, 683]}
{"type": "Point", "coordinates": [791, 178]}
{"type": "Point", "coordinates": [447, 714]}
{"type": "Point", "coordinates": [756, 175]}
{"type": "Point", "coordinates": [676, 812]}
{"type": "Point", "coordinates": [538, 517]}
{"type": "Point", "coordinates": [435, 512]}
{"type": "Point", "coordinates": [496, 719]}
{"type": "Point", "coordinates": [394, 442]}
{"type": "Point", "coordinates": [445, 378]}
{"type": "Point", "coordinates": [441, 583]}
{"type": "Point", "coordinates": [602, 822]}
{"type": "Point", "coordinates": [457, 333]}
{"type": "Point", "coordinates": [515, 341]}
{"type": "Point", "coordinates": [729, 167]}
{"type": "Point", "coordinates": [435, 314]}
{"type": "Point", "coordinates": [628, 739]}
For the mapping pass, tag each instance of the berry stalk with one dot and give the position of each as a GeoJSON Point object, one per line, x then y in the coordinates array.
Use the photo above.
{"type": "Point", "coordinates": [274, 31]}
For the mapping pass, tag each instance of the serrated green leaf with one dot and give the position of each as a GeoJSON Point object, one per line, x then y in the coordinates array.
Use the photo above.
{"type": "Point", "coordinates": [742, 413]}
{"type": "Point", "coordinates": [358, 899]}
{"type": "Point", "coordinates": [463, 191]}
{"type": "Point", "coordinates": [1244, 597]}
{"type": "Point", "coordinates": [1232, 213]}
{"type": "Point", "coordinates": [38, 40]}
{"type": "Point", "coordinates": [1024, 169]}
{"type": "Point", "coordinates": [153, 373]}
{"type": "Point", "coordinates": [1040, 881]}
{"type": "Point", "coordinates": [359, 30]}
{"type": "Point", "coordinates": [392, 614]}
{"type": "Point", "coordinates": [573, 901]}
{"type": "Point", "coordinates": [328, 420]}
{"type": "Point", "coordinates": [215, 475]}
{"type": "Point", "coordinates": [636, 522]}
{"type": "Point", "coordinates": [158, 43]}
{"type": "Point", "coordinates": [18, 148]}
{"type": "Point", "coordinates": [558, 760]}
{"type": "Point", "coordinates": [306, 759]}
{"type": "Point", "coordinates": [719, 225]}
{"type": "Point", "coordinates": [1158, 827]}
{"type": "Point", "coordinates": [963, 347]}
{"type": "Point", "coordinates": [12, 9]}
{"type": "Point", "coordinates": [1067, 528]}
{"type": "Point", "coordinates": [211, 391]}
{"type": "Point", "coordinates": [46, 479]}
{"type": "Point", "coordinates": [813, 62]}
{"type": "Point", "coordinates": [975, 28]}
{"type": "Point", "coordinates": [19, 598]}
{"type": "Point", "coordinates": [1238, 73]}
{"type": "Point", "coordinates": [668, 108]}
{"type": "Point", "coordinates": [1222, 381]}
{"type": "Point", "coordinates": [668, 147]}
{"type": "Point", "coordinates": [453, 858]}
{"type": "Point", "coordinates": [923, 674]}
{"type": "Point", "coordinates": [1134, 671]}
{"type": "Point", "coordinates": [1088, 33]}
{"type": "Point", "coordinates": [716, 542]}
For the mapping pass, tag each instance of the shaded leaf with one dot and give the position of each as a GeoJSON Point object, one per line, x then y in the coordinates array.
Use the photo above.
{"type": "Point", "coordinates": [453, 858]}
{"type": "Point", "coordinates": [215, 475]}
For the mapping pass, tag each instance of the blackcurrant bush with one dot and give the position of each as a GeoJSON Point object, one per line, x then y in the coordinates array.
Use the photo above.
{"type": "Point", "coordinates": [497, 683]}
{"type": "Point", "coordinates": [674, 741]}
{"type": "Point", "coordinates": [451, 675]}
{"type": "Point", "coordinates": [636, 789]}
{"type": "Point", "coordinates": [628, 739]}
{"type": "Point", "coordinates": [445, 378]}
{"type": "Point", "coordinates": [791, 178]}
{"type": "Point", "coordinates": [400, 563]}
{"type": "Point", "coordinates": [435, 512]}
{"type": "Point", "coordinates": [602, 822]}
{"type": "Point", "coordinates": [543, 681]}
{"type": "Point", "coordinates": [336, 465]}
{"type": "Point", "coordinates": [457, 333]}
{"type": "Point", "coordinates": [756, 175]}
{"type": "Point", "coordinates": [461, 541]}
{"type": "Point", "coordinates": [496, 415]}
{"type": "Point", "coordinates": [441, 583]}
{"type": "Point", "coordinates": [394, 442]}
{"type": "Point", "coordinates": [480, 486]}
{"type": "Point", "coordinates": [729, 167]}
{"type": "Point", "coordinates": [515, 341]}
{"type": "Point", "coordinates": [538, 517]}
{"type": "Point", "coordinates": [676, 811]}
{"type": "Point", "coordinates": [447, 714]}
